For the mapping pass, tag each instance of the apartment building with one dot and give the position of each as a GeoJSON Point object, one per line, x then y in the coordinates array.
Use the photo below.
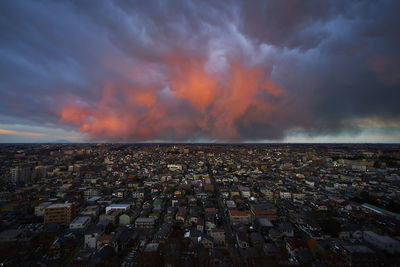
{"type": "Point", "coordinates": [61, 214]}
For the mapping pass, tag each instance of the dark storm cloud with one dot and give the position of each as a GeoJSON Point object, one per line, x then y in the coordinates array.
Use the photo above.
{"type": "Point", "coordinates": [187, 70]}
{"type": "Point", "coordinates": [291, 24]}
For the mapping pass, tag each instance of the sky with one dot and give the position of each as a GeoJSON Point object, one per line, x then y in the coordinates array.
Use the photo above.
{"type": "Point", "coordinates": [200, 71]}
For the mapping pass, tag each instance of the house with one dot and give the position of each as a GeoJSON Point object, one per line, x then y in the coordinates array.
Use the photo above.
{"type": "Point", "coordinates": [132, 184]}
{"type": "Point", "coordinates": [201, 195]}
{"type": "Point", "coordinates": [245, 191]}
{"type": "Point", "coordinates": [193, 219]}
{"type": "Point", "coordinates": [92, 211]}
{"type": "Point", "coordinates": [144, 223]}
{"type": "Point", "coordinates": [112, 216]}
{"type": "Point", "coordinates": [154, 190]}
{"type": "Point", "coordinates": [274, 234]}
{"type": "Point", "coordinates": [127, 217]}
{"type": "Point", "coordinates": [122, 193]}
{"type": "Point", "coordinates": [174, 167]}
{"type": "Point", "coordinates": [285, 195]}
{"type": "Point", "coordinates": [64, 244]}
{"type": "Point", "coordinates": [193, 235]}
{"type": "Point", "coordinates": [80, 223]}
{"type": "Point", "coordinates": [209, 214]}
{"type": "Point", "coordinates": [263, 210]}
{"type": "Point", "coordinates": [294, 245]}
{"type": "Point", "coordinates": [207, 241]}
{"type": "Point", "coordinates": [200, 225]}
{"type": "Point", "coordinates": [138, 194]}
{"type": "Point", "coordinates": [192, 201]}
{"type": "Point", "coordinates": [286, 229]}
{"type": "Point", "coordinates": [164, 231]}
{"type": "Point", "coordinates": [181, 215]}
{"type": "Point", "coordinates": [209, 226]}
{"type": "Point", "coordinates": [91, 236]}
{"type": "Point", "coordinates": [344, 234]}
{"type": "Point", "coordinates": [103, 240]}
{"type": "Point", "coordinates": [230, 204]}
{"type": "Point", "coordinates": [174, 201]}
{"type": "Point", "coordinates": [263, 225]}
{"type": "Point", "coordinates": [238, 216]}
{"type": "Point", "coordinates": [219, 236]}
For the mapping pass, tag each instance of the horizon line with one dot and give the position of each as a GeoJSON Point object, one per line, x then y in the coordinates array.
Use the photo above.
{"type": "Point", "coordinates": [206, 143]}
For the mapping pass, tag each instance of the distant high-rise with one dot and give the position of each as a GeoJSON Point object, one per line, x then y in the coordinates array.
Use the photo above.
{"type": "Point", "coordinates": [20, 174]}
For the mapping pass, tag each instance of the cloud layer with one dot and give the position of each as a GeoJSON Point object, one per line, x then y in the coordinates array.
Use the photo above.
{"type": "Point", "coordinates": [200, 70]}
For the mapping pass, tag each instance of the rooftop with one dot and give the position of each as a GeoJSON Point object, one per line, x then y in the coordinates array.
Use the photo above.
{"type": "Point", "coordinates": [59, 205]}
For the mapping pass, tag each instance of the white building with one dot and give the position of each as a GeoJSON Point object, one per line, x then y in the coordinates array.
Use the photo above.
{"type": "Point", "coordinates": [381, 242]}
{"type": "Point", "coordinates": [310, 183]}
{"type": "Point", "coordinates": [245, 191]}
{"type": "Point", "coordinates": [80, 223]}
{"type": "Point", "coordinates": [92, 235]}
{"type": "Point", "coordinates": [174, 167]}
{"type": "Point", "coordinates": [123, 207]}
{"type": "Point", "coordinates": [285, 195]}
{"type": "Point", "coordinates": [39, 209]}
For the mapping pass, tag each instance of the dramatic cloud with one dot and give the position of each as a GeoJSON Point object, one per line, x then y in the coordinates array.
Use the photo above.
{"type": "Point", "coordinates": [201, 70]}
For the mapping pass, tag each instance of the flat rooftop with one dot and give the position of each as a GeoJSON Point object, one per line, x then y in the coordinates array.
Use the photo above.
{"type": "Point", "coordinates": [59, 205]}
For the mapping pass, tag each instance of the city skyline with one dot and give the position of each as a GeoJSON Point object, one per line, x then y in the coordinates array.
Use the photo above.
{"type": "Point", "coordinates": [207, 72]}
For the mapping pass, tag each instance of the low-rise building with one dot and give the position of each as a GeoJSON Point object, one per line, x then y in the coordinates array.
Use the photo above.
{"type": "Point", "coordinates": [238, 216]}
{"type": "Point", "coordinates": [219, 236]}
{"type": "Point", "coordinates": [144, 223]}
{"type": "Point", "coordinates": [112, 216]}
{"type": "Point", "coordinates": [80, 223]}
{"type": "Point", "coordinates": [127, 217]}
{"type": "Point", "coordinates": [39, 209]}
{"type": "Point", "coordinates": [92, 235]}
{"type": "Point", "coordinates": [122, 207]}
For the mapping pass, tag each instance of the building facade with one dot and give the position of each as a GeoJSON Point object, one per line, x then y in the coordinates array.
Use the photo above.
{"type": "Point", "coordinates": [61, 214]}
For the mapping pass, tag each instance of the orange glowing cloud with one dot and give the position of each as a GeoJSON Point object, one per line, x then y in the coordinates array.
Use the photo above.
{"type": "Point", "coordinates": [217, 102]}
{"type": "Point", "coordinates": [145, 97]}
{"type": "Point", "coordinates": [238, 96]}
{"type": "Point", "coordinates": [190, 81]}
{"type": "Point", "coordinates": [73, 114]}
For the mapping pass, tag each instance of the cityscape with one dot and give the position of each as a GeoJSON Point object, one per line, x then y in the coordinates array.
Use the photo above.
{"type": "Point", "coordinates": [188, 133]}
{"type": "Point", "coordinates": [199, 205]}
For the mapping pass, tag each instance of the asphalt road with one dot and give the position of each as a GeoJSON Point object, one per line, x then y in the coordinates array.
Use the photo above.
{"type": "Point", "coordinates": [237, 259]}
